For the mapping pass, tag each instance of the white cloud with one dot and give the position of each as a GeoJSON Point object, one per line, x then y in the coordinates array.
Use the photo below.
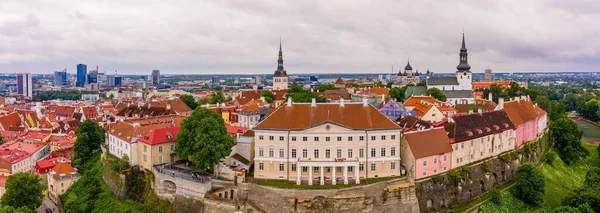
{"type": "Point", "coordinates": [318, 36]}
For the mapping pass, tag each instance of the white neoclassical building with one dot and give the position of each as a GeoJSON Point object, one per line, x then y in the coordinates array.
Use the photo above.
{"type": "Point", "coordinates": [326, 143]}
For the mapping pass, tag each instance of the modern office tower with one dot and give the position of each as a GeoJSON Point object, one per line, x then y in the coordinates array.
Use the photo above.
{"type": "Point", "coordinates": [24, 84]}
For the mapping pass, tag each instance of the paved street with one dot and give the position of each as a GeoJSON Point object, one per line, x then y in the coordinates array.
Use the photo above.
{"type": "Point", "coordinates": [47, 203]}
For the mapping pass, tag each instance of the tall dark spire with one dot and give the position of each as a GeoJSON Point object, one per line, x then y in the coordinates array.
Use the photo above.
{"type": "Point", "coordinates": [408, 67]}
{"type": "Point", "coordinates": [280, 71]}
{"type": "Point", "coordinates": [463, 65]}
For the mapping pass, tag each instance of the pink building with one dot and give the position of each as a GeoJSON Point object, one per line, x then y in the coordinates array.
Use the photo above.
{"type": "Point", "coordinates": [426, 153]}
{"type": "Point", "coordinates": [524, 115]}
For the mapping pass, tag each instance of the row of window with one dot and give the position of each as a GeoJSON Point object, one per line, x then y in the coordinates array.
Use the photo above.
{"type": "Point", "coordinates": [339, 152]}
{"type": "Point", "coordinates": [339, 138]}
{"type": "Point", "coordinates": [160, 148]}
{"type": "Point", "coordinates": [361, 167]}
{"type": "Point", "coordinates": [435, 160]}
{"type": "Point", "coordinates": [435, 171]}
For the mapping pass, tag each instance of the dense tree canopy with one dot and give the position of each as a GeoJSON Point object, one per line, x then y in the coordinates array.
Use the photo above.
{"type": "Point", "coordinates": [90, 136]}
{"type": "Point", "coordinates": [269, 96]}
{"type": "Point", "coordinates": [436, 93]}
{"type": "Point", "coordinates": [556, 111]}
{"type": "Point", "coordinates": [23, 190]}
{"type": "Point", "coordinates": [496, 91]}
{"type": "Point", "coordinates": [324, 87]}
{"type": "Point", "coordinates": [397, 93]}
{"type": "Point", "coordinates": [10, 209]}
{"type": "Point", "coordinates": [529, 185]}
{"type": "Point", "coordinates": [588, 193]}
{"type": "Point", "coordinates": [203, 101]}
{"type": "Point", "coordinates": [63, 95]}
{"type": "Point", "coordinates": [566, 136]}
{"type": "Point", "coordinates": [203, 138]}
{"type": "Point", "coordinates": [301, 95]}
{"type": "Point", "coordinates": [422, 83]}
{"type": "Point", "coordinates": [217, 98]}
{"type": "Point", "coordinates": [189, 101]}
{"type": "Point", "coordinates": [543, 102]}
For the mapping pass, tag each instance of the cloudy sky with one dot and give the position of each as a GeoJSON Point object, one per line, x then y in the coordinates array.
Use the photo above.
{"type": "Point", "coordinates": [330, 36]}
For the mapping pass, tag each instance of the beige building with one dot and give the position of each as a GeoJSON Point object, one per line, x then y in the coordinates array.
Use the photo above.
{"type": "Point", "coordinates": [326, 144]}
{"type": "Point", "coordinates": [60, 179]}
{"type": "Point", "coordinates": [123, 139]}
{"type": "Point", "coordinates": [157, 147]}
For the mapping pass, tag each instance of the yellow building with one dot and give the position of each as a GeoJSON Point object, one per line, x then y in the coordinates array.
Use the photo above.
{"type": "Point", "coordinates": [157, 147]}
{"type": "Point", "coordinates": [60, 179]}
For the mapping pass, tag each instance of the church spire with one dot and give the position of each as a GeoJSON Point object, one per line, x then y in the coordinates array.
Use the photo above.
{"type": "Point", "coordinates": [463, 65]}
{"type": "Point", "coordinates": [280, 71]}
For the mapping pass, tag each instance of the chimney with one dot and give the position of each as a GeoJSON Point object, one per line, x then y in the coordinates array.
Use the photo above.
{"type": "Point", "coordinates": [517, 99]}
{"type": "Point", "coordinates": [383, 98]}
{"type": "Point", "coordinates": [501, 102]}
{"type": "Point", "coordinates": [490, 96]}
{"type": "Point", "coordinates": [365, 102]}
{"type": "Point", "coordinates": [470, 111]}
{"type": "Point", "coordinates": [524, 98]}
{"type": "Point", "coordinates": [479, 111]}
{"type": "Point", "coordinates": [262, 98]}
{"type": "Point", "coordinates": [289, 103]}
{"type": "Point", "coordinates": [341, 102]}
{"type": "Point", "coordinates": [314, 102]}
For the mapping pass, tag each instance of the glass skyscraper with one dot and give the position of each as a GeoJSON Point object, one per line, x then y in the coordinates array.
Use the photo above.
{"type": "Point", "coordinates": [81, 73]}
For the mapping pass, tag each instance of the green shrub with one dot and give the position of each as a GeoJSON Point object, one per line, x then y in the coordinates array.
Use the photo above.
{"type": "Point", "coordinates": [530, 186]}
{"type": "Point", "coordinates": [496, 196]}
{"type": "Point", "coordinates": [508, 157]}
{"type": "Point", "coordinates": [458, 174]}
{"type": "Point", "coordinates": [550, 157]}
{"type": "Point", "coordinates": [437, 179]}
{"type": "Point", "coordinates": [485, 166]}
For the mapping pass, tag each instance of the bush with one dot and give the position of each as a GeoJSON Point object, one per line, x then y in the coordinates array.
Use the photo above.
{"type": "Point", "coordinates": [496, 197]}
{"type": "Point", "coordinates": [566, 209]}
{"type": "Point", "coordinates": [458, 174]}
{"type": "Point", "coordinates": [437, 179]}
{"type": "Point", "coordinates": [485, 166]}
{"type": "Point", "coordinates": [551, 157]}
{"type": "Point", "coordinates": [530, 186]}
{"type": "Point", "coordinates": [508, 157]}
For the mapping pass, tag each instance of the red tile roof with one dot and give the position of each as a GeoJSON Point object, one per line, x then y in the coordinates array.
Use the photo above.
{"type": "Point", "coordinates": [413, 100]}
{"type": "Point", "coordinates": [13, 156]}
{"type": "Point", "coordinates": [160, 136]}
{"type": "Point", "coordinates": [303, 116]}
{"type": "Point", "coordinates": [428, 142]}
{"type": "Point", "coordinates": [520, 111]}
{"type": "Point", "coordinates": [64, 168]}
{"type": "Point", "coordinates": [340, 81]}
{"type": "Point", "coordinates": [89, 112]}
{"type": "Point", "coordinates": [235, 129]}
{"type": "Point", "coordinates": [9, 120]}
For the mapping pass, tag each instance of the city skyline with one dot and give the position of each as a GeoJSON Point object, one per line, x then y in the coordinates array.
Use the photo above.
{"type": "Point", "coordinates": [318, 37]}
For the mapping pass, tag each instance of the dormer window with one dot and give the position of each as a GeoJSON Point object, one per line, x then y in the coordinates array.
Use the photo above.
{"type": "Point", "coordinates": [487, 129]}
{"type": "Point", "coordinates": [469, 133]}
{"type": "Point", "coordinates": [479, 131]}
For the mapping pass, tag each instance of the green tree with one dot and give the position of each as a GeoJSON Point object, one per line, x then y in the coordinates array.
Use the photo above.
{"type": "Point", "coordinates": [111, 96]}
{"type": "Point", "coordinates": [389, 85]}
{"type": "Point", "coordinates": [436, 93]}
{"type": "Point", "coordinates": [90, 136]}
{"type": "Point", "coordinates": [203, 101]}
{"type": "Point", "coordinates": [10, 209]}
{"type": "Point", "coordinates": [591, 110]}
{"type": "Point", "coordinates": [543, 102]}
{"type": "Point", "coordinates": [189, 101]}
{"type": "Point", "coordinates": [496, 91]}
{"type": "Point", "coordinates": [23, 190]}
{"type": "Point", "coordinates": [397, 93]}
{"type": "Point", "coordinates": [514, 90]}
{"type": "Point", "coordinates": [217, 97]}
{"type": "Point", "coordinates": [587, 196]}
{"type": "Point", "coordinates": [566, 136]}
{"type": "Point", "coordinates": [269, 96]}
{"type": "Point", "coordinates": [422, 83]}
{"type": "Point", "coordinates": [565, 209]}
{"type": "Point", "coordinates": [300, 95]}
{"type": "Point", "coordinates": [203, 138]}
{"type": "Point", "coordinates": [324, 87]}
{"type": "Point", "coordinates": [557, 111]}
{"type": "Point", "coordinates": [529, 185]}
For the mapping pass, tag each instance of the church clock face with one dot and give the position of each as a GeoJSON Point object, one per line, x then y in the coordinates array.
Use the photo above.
{"type": "Point", "coordinates": [464, 73]}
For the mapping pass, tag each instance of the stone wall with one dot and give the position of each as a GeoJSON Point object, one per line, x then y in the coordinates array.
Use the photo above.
{"type": "Point", "coordinates": [371, 198]}
{"type": "Point", "coordinates": [449, 193]}
{"type": "Point", "coordinates": [116, 182]}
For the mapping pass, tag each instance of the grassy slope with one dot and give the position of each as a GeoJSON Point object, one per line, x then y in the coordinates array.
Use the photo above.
{"type": "Point", "coordinates": [560, 180]}
{"type": "Point", "coordinates": [80, 196]}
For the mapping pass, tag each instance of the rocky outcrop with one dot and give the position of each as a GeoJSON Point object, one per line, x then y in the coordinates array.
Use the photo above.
{"type": "Point", "coordinates": [463, 185]}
